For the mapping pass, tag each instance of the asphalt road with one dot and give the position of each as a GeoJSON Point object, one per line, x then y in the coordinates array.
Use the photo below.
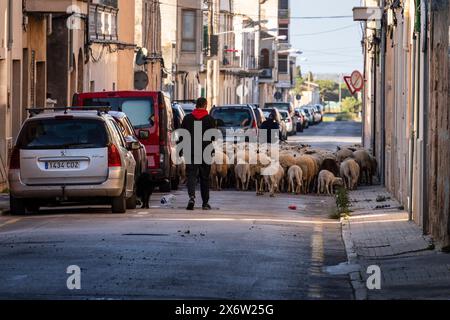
{"type": "Point", "coordinates": [247, 247]}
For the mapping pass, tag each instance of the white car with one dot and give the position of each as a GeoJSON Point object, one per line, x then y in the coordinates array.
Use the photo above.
{"type": "Point", "coordinates": [288, 120]}
{"type": "Point", "coordinates": [71, 156]}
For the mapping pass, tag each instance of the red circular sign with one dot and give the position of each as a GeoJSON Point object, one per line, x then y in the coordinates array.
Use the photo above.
{"type": "Point", "coordinates": [357, 80]}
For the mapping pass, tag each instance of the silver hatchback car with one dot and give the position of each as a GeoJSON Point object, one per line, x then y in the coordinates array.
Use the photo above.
{"type": "Point", "coordinates": [71, 156]}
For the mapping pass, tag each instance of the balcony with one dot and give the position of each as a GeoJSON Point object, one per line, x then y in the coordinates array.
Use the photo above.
{"type": "Point", "coordinates": [56, 6]}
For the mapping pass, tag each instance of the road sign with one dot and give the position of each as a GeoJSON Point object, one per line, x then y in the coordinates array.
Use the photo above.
{"type": "Point", "coordinates": [357, 80]}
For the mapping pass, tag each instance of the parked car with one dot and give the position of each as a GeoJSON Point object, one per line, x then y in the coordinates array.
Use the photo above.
{"type": "Point", "coordinates": [316, 114]}
{"type": "Point", "coordinates": [283, 127]}
{"type": "Point", "coordinates": [178, 115]}
{"type": "Point", "coordinates": [260, 118]}
{"type": "Point", "coordinates": [309, 115]}
{"type": "Point", "coordinates": [240, 118]}
{"type": "Point", "coordinates": [289, 123]}
{"type": "Point", "coordinates": [187, 105]}
{"type": "Point", "coordinates": [305, 119]}
{"type": "Point", "coordinates": [282, 106]}
{"type": "Point", "coordinates": [288, 107]}
{"type": "Point", "coordinates": [300, 120]}
{"type": "Point", "coordinates": [320, 108]}
{"type": "Point", "coordinates": [71, 156]}
{"type": "Point", "coordinates": [151, 115]}
{"type": "Point", "coordinates": [133, 143]}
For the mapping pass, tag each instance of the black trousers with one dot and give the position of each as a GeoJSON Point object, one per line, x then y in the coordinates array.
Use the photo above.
{"type": "Point", "coordinates": [201, 171]}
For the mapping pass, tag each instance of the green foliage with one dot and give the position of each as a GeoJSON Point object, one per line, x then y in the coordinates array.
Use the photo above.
{"type": "Point", "coordinates": [351, 104]}
{"type": "Point", "coordinates": [5, 190]}
{"type": "Point", "coordinates": [342, 202]}
{"type": "Point", "coordinates": [345, 116]}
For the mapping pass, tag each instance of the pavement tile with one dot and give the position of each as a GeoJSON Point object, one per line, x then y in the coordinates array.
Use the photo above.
{"type": "Point", "coordinates": [386, 238]}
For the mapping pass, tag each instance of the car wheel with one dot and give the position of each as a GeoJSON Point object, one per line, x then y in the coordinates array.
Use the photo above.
{"type": "Point", "coordinates": [32, 206]}
{"type": "Point", "coordinates": [17, 206]}
{"type": "Point", "coordinates": [132, 202]}
{"type": "Point", "coordinates": [119, 204]}
{"type": "Point", "coordinates": [165, 186]}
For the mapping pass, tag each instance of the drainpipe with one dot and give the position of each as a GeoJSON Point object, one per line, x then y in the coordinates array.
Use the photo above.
{"type": "Point", "coordinates": [413, 121]}
{"type": "Point", "coordinates": [10, 24]}
{"type": "Point", "coordinates": [383, 98]}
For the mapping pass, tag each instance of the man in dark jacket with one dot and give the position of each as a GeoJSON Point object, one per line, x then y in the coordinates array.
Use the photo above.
{"type": "Point", "coordinates": [271, 128]}
{"type": "Point", "coordinates": [196, 165]}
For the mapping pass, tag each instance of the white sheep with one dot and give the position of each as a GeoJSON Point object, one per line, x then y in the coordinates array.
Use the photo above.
{"type": "Point", "coordinates": [350, 173]}
{"type": "Point", "coordinates": [295, 179]}
{"type": "Point", "coordinates": [327, 181]}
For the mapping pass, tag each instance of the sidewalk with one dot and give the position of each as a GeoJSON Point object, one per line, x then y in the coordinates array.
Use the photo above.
{"type": "Point", "coordinates": [4, 203]}
{"type": "Point", "coordinates": [379, 233]}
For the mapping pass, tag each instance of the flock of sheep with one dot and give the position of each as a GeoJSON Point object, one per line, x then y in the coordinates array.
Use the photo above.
{"type": "Point", "coordinates": [301, 170]}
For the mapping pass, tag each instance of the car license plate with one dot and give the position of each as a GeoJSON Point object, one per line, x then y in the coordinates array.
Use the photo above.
{"type": "Point", "coordinates": [62, 165]}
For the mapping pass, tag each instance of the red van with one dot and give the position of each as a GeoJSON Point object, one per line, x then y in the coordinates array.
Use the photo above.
{"type": "Point", "coordinates": [151, 115]}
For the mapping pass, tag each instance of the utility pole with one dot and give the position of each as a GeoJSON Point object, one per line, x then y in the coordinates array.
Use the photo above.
{"type": "Point", "coordinates": [340, 91]}
{"type": "Point", "coordinates": [212, 72]}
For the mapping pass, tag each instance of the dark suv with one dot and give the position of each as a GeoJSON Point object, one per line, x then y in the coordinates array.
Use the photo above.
{"type": "Point", "coordinates": [240, 118]}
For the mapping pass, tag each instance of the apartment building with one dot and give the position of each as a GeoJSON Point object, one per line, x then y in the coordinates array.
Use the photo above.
{"type": "Point", "coordinates": [405, 114]}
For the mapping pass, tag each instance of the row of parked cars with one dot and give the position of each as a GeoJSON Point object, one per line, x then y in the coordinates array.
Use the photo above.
{"type": "Point", "coordinates": [96, 150]}
{"type": "Point", "coordinates": [249, 117]}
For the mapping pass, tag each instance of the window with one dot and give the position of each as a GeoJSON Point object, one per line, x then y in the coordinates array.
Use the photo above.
{"type": "Point", "coordinates": [63, 134]}
{"type": "Point", "coordinates": [284, 31]}
{"type": "Point", "coordinates": [188, 39]}
{"type": "Point", "coordinates": [265, 58]}
{"type": "Point", "coordinates": [283, 64]}
{"type": "Point", "coordinates": [140, 113]}
{"type": "Point", "coordinates": [283, 4]}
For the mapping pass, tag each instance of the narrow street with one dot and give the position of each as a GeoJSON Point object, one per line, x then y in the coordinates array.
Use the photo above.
{"type": "Point", "coordinates": [247, 247]}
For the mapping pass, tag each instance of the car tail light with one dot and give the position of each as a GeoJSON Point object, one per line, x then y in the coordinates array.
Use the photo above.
{"type": "Point", "coordinates": [14, 163]}
{"type": "Point", "coordinates": [114, 159]}
{"type": "Point", "coordinates": [254, 124]}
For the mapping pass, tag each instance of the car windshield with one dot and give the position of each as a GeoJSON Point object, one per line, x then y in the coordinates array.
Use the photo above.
{"type": "Point", "coordinates": [232, 117]}
{"type": "Point", "coordinates": [187, 107]}
{"type": "Point", "coordinates": [279, 106]}
{"type": "Point", "coordinates": [140, 111]}
{"type": "Point", "coordinates": [63, 134]}
{"type": "Point", "coordinates": [284, 115]}
{"type": "Point", "coordinates": [306, 111]}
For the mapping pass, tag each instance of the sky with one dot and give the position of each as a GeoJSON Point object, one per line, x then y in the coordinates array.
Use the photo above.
{"type": "Point", "coordinates": [337, 51]}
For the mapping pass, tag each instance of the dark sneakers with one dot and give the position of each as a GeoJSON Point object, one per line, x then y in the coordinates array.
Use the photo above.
{"type": "Point", "coordinates": [206, 206]}
{"type": "Point", "coordinates": [191, 205]}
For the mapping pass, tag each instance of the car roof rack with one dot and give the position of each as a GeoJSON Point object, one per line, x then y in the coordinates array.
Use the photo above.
{"type": "Point", "coordinates": [100, 109]}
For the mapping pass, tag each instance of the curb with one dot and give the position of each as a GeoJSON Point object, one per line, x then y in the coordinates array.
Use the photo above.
{"type": "Point", "coordinates": [356, 280]}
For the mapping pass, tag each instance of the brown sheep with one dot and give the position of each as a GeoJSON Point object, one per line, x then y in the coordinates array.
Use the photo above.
{"type": "Point", "coordinates": [362, 157]}
{"type": "Point", "coordinates": [343, 154]}
{"type": "Point", "coordinates": [219, 170]}
{"type": "Point", "coordinates": [309, 169]}
{"type": "Point", "coordinates": [330, 165]}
